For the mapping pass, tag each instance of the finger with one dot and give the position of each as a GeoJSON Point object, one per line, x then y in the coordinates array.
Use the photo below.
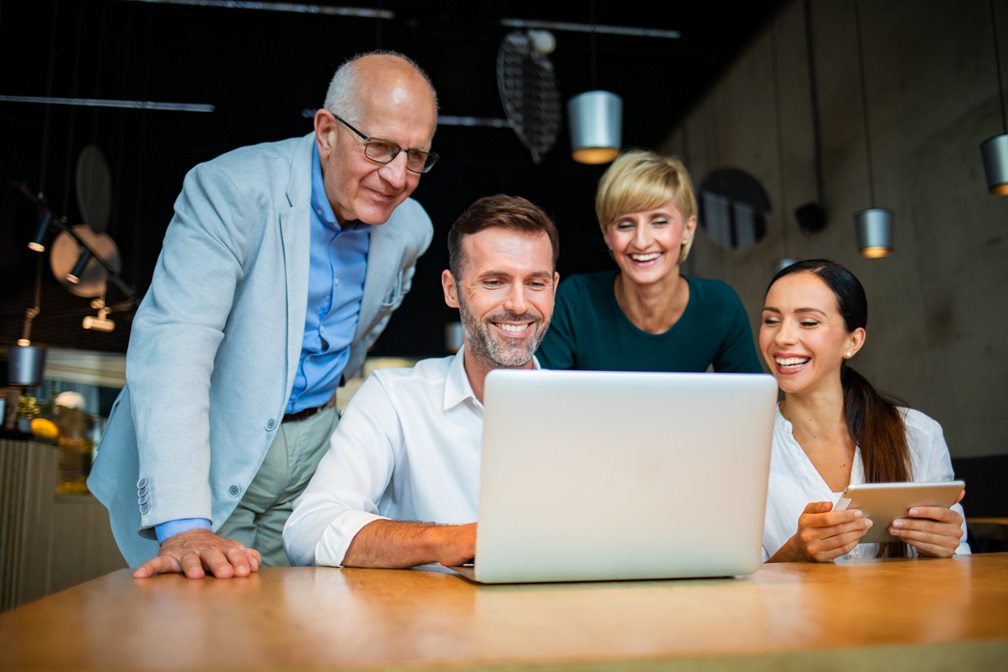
{"type": "Point", "coordinates": [931, 545]}
{"type": "Point", "coordinates": [828, 552]}
{"type": "Point", "coordinates": [241, 560]}
{"type": "Point", "coordinates": [938, 513]}
{"type": "Point", "coordinates": [160, 564]}
{"type": "Point", "coordinates": [818, 507]}
{"type": "Point", "coordinates": [192, 566]}
{"type": "Point", "coordinates": [216, 562]}
{"type": "Point", "coordinates": [834, 523]}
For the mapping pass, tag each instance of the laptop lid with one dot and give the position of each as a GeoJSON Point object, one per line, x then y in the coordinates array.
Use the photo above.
{"type": "Point", "coordinates": [590, 475]}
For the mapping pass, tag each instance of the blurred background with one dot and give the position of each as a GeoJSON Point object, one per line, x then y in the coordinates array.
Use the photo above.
{"type": "Point", "coordinates": [792, 116]}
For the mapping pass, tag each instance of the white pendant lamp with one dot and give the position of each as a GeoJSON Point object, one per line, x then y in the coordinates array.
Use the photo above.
{"type": "Point", "coordinates": [595, 126]}
{"type": "Point", "coordinates": [872, 226]}
{"type": "Point", "coordinates": [995, 150]}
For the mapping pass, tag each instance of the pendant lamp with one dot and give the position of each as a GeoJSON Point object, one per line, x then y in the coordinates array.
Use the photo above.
{"type": "Point", "coordinates": [595, 118]}
{"type": "Point", "coordinates": [995, 150]}
{"type": "Point", "coordinates": [873, 226]}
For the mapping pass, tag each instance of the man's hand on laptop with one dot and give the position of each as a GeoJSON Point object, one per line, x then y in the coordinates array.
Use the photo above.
{"type": "Point", "coordinates": [458, 545]}
{"type": "Point", "coordinates": [398, 544]}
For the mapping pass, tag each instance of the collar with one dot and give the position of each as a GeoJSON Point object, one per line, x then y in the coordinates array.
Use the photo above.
{"type": "Point", "coordinates": [319, 200]}
{"type": "Point", "coordinates": [457, 387]}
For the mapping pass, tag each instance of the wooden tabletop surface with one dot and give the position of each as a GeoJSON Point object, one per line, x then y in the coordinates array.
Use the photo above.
{"type": "Point", "coordinates": [893, 614]}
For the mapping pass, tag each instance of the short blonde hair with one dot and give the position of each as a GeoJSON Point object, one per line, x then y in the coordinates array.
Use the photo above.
{"type": "Point", "coordinates": [643, 180]}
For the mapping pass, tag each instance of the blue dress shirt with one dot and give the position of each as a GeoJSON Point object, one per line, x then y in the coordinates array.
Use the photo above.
{"type": "Point", "coordinates": [335, 289]}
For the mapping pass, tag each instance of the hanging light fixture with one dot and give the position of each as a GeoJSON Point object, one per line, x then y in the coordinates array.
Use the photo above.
{"type": "Point", "coordinates": [25, 362]}
{"type": "Point", "coordinates": [596, 118]}
{"type": "Point", "coordinates": [873, 226]}
{"type": "Point", "coordinates": [37, 243]}
{"type": "Point", "coordinates": [995, 150]}
{"type": "Point", "coordinates": [783, 262]}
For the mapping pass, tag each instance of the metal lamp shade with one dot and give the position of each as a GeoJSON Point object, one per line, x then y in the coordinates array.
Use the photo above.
{"type": "Point", "coordinates": [24, 365]}
{"type": "Point", "coordinates": [596, 119]}
{"type": "Point", "coordinates": [874, 228]}
{"type": "Point", "coordinates": [995, 159]}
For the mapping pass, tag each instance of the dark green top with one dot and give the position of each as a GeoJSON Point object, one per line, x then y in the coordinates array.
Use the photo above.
{"type": "Point", "coordinates": [590, 331]}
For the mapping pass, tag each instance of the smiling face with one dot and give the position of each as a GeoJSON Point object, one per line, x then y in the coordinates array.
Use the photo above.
{"type": "Point", "coordinates": [803, 336]}
{"type": "Point", "coordinates": [505, 297]}
{"type": "Point", "coordinates": [647, 244]}
{"type": "Point", "coordinates": [396, 104]}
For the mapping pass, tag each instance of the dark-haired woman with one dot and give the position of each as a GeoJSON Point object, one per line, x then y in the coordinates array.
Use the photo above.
{"type": "Point", "coordinates": [833, 429]}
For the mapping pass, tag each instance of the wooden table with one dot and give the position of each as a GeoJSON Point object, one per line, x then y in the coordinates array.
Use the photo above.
{"type": "Point", "coordinates": [877, 615]}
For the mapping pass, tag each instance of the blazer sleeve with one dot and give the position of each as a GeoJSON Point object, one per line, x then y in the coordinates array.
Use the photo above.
{"type": "Point", "coordinates": [175, 338]}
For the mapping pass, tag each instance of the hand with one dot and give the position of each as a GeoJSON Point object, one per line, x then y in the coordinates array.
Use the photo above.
{"type": "Point", "coordinates": [824, 534]}
{"type": "Point", "coordinates": [457, 545]}
{"type": "Point", "coordinates": [399, 544]}
{"type": "Point", "coordinates": [196, 552]}
{"type": "Point", "coordinates": [933, 530]}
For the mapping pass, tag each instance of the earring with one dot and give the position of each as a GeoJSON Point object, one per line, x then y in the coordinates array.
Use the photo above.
{"type": "Point", "coordinates": [847, 355]}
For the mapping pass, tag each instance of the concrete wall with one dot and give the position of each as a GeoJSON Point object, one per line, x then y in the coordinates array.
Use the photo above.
{"type": "Point", "coordinates": [938, 307]}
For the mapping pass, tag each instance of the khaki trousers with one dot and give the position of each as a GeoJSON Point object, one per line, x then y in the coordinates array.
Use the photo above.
{"type": "Point", "coordinates": [259, 518]}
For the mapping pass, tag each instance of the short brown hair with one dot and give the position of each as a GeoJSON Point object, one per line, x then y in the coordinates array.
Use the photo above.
{"type": "Point", "coordinates": [508, 212]}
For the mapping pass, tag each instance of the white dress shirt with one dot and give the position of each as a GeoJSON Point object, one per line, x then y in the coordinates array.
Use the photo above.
{"type": "Point", "coordinates": [407, 448]}
{"type": "Point", "coordinates": [794, 481]}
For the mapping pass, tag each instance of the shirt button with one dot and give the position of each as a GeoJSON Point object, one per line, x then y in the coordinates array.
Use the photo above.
{"type": "Point", "coordinates": [234, 490]}
{"type": "Point", "coordinates": [142, 483]}
{"type": "Point", "coordinates": [270, 424]}
{"type": "Point", "coordinates": [335, 282]}
{"type": "Point", "coordinates": [145, 508]}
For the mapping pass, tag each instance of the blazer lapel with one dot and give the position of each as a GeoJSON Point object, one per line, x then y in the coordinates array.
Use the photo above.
{"type": "Point", "coordinates": [295, 234]}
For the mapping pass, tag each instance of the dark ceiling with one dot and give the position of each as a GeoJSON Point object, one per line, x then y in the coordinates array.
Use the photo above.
{"type": "Point", "coordinates": [260, 69]}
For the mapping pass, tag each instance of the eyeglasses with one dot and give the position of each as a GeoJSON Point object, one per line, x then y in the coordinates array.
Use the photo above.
{"type": "Point", "coordinates": [385, 151]}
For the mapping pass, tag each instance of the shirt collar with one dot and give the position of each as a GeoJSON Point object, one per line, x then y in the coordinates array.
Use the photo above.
{"type": "Point", "coordinates": [319, 200]}
{"type": "Point", "coordinates": [457, 387]}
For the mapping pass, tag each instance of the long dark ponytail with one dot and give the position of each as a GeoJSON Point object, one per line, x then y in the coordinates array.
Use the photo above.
{"type": "Point", "coordinates": [874, 419]}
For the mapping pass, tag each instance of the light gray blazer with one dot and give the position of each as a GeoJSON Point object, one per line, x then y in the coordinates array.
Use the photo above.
{"type": "Point", "coordinates": [215, 344]}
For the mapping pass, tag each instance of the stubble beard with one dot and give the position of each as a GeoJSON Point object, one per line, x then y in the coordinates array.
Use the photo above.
{"type": "Point", "coordinates": [499, 352]}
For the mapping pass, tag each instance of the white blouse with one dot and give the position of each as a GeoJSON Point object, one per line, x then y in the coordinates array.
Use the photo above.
{"type": "Point", "coordinates": [794, 481]}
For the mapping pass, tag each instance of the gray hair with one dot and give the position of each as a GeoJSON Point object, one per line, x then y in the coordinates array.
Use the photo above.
{"type": "Point", "coordinates": [342, 98]}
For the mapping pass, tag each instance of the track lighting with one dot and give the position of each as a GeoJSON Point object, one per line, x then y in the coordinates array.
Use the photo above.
{"type": "Point", "coordinates": [77, 271]}
{"type": "Point", "coordinates": [37, 243]}
{"type": "Point", "coordinates": [99, 322]}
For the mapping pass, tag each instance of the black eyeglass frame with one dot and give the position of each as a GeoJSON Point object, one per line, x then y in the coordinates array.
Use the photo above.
{"type": "Point", "coordinates": [430, 158]}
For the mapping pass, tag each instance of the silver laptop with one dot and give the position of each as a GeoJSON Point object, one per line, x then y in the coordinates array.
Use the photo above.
{"type": "Point", "coordinates": [590, 476]}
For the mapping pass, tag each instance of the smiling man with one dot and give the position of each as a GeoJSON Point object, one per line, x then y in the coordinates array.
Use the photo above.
{"type": "Point", "coordinates": [281, 267]}
{"type": "Point", "coordinates": [408, 446]}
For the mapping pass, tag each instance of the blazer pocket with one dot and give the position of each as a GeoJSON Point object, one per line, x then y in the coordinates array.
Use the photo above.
{"type": "Point", "coordinates": [395, 293]}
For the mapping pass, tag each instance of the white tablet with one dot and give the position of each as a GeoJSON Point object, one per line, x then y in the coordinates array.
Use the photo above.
{"type": "Point", "coordinates": [885, 502]}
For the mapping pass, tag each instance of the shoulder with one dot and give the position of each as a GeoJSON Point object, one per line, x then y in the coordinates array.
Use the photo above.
{"type": "Point", "coordinates": [432, 371]}
{"type": "Point", "coordinates": [411, 218]}
{"type": "Point", "coordinates": [264, 170]}
{"type": "Point", "coordinates": [711, 289]}
{"type": "Point", "coordinates": [254, 159]}
{"type": "Point", "coordinates": [919, 426]}
{"type": "Point", "coordinates": [587, 283]}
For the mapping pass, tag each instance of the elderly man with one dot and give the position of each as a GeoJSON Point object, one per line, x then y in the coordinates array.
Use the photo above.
{"type": "Point", "coordinates": [280, 268]}
{"type": "Point", "coordinates": [408, 447]}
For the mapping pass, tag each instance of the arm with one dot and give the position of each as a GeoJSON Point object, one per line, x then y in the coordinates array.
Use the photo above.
{"type": "Point", "coordinates": [367, 475]}
{"type": "Point", "coordinates": [823, 534]}
{"type": "Point", "coordinates": [932, 531]}
{"type": "Point", "coordinates": [185, 311]}
{"type": "Point", "coordinates": [395, 544]}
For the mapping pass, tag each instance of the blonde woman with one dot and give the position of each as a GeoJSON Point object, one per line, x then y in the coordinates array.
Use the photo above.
{"type": "Point", "coordinates": [645, 315]}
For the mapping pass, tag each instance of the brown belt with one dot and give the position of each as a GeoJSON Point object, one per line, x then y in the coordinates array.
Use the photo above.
{"type": "Point", "coordinates": [302, 415]}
